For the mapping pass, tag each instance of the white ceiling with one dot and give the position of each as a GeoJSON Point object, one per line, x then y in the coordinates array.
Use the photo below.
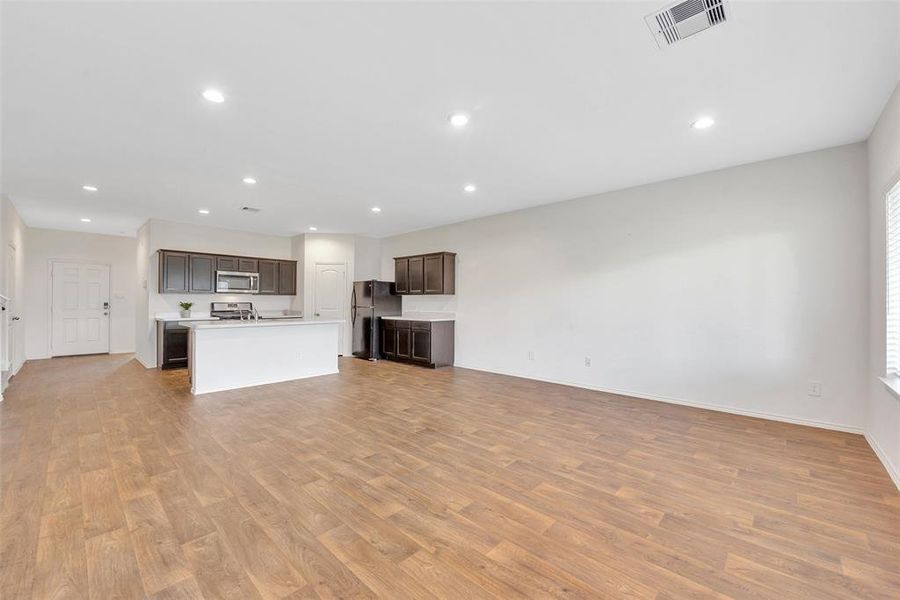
{"type": "Point", "coordinates": [338, 107]}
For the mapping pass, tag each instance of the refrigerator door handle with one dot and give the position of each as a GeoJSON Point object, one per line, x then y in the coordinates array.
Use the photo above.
{"type": "Point", "coordinates": [353, 307]}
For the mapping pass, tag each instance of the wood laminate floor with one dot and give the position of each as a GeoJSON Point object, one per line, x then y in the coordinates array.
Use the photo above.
{"type": "Point", "coordinates": [396, 482]}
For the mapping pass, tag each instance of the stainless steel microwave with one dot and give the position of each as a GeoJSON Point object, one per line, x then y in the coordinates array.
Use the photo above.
{"type": "Point", "coordinates": [237, 282]}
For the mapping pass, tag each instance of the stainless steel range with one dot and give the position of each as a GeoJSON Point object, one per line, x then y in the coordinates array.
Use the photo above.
{"type": "Point", "coordinates": [231, 310]}
{"type": "Point", "coordinates": [246, 310]}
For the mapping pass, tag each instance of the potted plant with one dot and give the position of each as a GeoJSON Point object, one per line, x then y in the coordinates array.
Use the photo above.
{"type": "Point", "coordinates": [185, 308]}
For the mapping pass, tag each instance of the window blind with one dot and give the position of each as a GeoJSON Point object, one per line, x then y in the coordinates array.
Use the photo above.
{"type": "Point", "coordinates": [893, 281]}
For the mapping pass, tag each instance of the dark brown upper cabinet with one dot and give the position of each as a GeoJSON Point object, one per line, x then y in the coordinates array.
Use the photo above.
{"type": "Point", "coordinates": [416, 274]}
{"type": "Point", "coordinates": [248, 265]}
{"type": "Point", "coordinates": [268, 276]}
{"type": "Point", "coordinates": [195, 272]}
{"type": "Point", "coordinates": [401, 275]}
{"type": "Point", "coordinates": [287, 277]}
{"type": "Point", "coordinates": [174, 271]}
{"type": "Point", "coordinates": [203, 274]}
{"type": "Point", "coordinates": [226, 263]}
{"type": "Point", "coordinates": [433, 273]}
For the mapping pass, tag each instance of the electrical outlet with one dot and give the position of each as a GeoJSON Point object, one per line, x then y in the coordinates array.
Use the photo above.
{"type": "Point", "coordinates": [531, 355]}
{"type": "Point", "coordinates": [587, 361]}
{"type": "Point", "coordinates": [814, 388]}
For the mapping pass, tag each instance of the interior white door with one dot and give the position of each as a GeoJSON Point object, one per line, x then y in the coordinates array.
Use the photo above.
{"type": "Point", "coordinates": [330, 291]}
{"type": "Point", "coordinates": [80, 309]}
{"type": "Point", "coordinates": [12, 318]}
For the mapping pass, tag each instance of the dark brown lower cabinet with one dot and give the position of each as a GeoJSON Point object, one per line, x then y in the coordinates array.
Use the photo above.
{"type": "Point", "coordinates": [171, 345]}
{"type": "Point", "coordinates": [428, 343]}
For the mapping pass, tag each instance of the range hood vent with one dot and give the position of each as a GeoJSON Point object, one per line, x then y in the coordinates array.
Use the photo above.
{"type": "Point", "coordinates": [683, 19]}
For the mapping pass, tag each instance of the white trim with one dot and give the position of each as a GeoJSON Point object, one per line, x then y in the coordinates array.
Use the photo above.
{"type": "Point", "coordinates": [890, 467]}
{"type": "Point", "coordinates": [50, 263]}
{"type": "Point", "coordinates": [142, 363]}
{"type": "Point", "coordinates": [716, 407]}
{"type": "Point", "coordinates": [892, 383]}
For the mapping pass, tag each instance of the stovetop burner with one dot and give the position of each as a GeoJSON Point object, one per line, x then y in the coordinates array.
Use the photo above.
{"type": "Point", "coordinates": [230, 310]}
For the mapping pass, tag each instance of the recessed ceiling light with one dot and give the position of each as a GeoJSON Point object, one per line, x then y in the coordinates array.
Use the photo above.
{"type": "Point", "coordinates": [376, 209]}
{"type": "Point", "coordinates": [459, 119]}
{"type": "Point", "coordinates": [249, 180]}
{"type": "Point", "coordinates": [89, 188]}
{"type": "Point", "coordinates": [85, 220]}
{"type": "Point", "coordinates": [214, 96]}
{"type": "Point", "coordinates": [203, 211]}
{"type": "Point", "coordinates": [469, 188]}
{"type": "Point", "coordinates": [313, 228]}
{"type": "Point", "coordinates": [703, 123]}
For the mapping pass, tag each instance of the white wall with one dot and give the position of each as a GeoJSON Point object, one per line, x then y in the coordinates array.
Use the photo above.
{"type": "Point", "coordinates": [367, 258]}
{"type": "Point", "coordinates": [883, 417]}
{"type": "Point", "coordinates": [730, 289]}
{"type": "Point", "coordinates": [181, 236]}
{"type": "Point", "coordinates": [45, 245]}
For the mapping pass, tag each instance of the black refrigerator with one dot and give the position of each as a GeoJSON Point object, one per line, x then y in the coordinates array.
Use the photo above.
{"type": "Point", "coordinates": [370, 301]}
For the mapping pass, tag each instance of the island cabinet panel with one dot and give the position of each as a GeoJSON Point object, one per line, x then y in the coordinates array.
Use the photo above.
{"type": "Point", "coordinates": [433, 273]}
{"type": "Point", "coordinates": [174, 272]}
{"type": "Point", "coordinates": [401, 275]}
{"type": "Point", "coordinates": [268, 276]}
{"type": "Point", "coordinates": [423, 342]}
{"type": "Point", "coordinates": [287, 277]}
{"type": "Point", "coordinates": [203, 273]}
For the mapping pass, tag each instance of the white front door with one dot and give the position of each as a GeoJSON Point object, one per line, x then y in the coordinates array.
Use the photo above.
{"type": "Point", "coordinates": [80, 309]}
{"type": "Point", "coordinates": [330, 291]}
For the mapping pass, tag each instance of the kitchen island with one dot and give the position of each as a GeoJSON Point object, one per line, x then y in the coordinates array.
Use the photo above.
{"type": "Point", "coordinates": [227, 355]}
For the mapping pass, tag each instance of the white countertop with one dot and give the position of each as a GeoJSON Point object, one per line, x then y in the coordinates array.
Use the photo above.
{"type": "Point", "coordinates": [233, 324]}
{"type": "Point", "coordinates": [422, 316]}
{"type": "Point", "coordinates": [205, 316]}
{"type": "Point", "coordinates": [266, 314]}
{"type": "Point", "coordinates": [194, 317]}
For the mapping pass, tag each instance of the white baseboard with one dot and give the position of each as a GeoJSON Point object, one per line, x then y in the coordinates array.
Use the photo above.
{"type": "Point", "coordinates": [145, 365]}
{"type": "Point", "coordinates": [716, 407]}
{"type": "Point", "coordinates": [890, 467]}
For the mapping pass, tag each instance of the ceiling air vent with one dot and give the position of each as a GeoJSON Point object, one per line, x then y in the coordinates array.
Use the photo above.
{"type": "Point", "coordinates": [250, 209]}
{"type": "Point", "coordinates": [684, 19]}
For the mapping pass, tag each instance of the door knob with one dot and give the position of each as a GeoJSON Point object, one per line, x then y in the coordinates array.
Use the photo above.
{"type": "Point", "coordinates": [317, 314]}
